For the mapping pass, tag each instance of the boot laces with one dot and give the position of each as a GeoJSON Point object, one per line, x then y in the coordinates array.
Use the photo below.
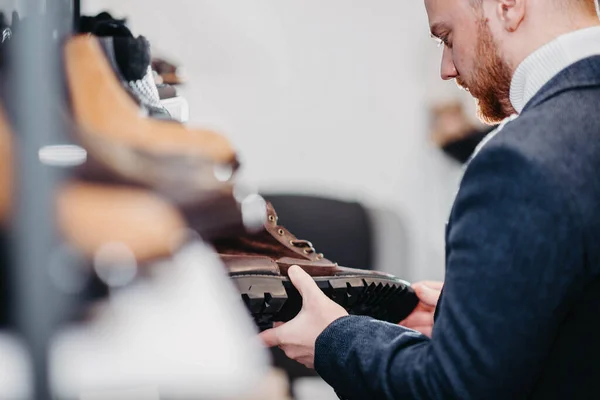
{"type": "Point", "coordinates": [305, 245]}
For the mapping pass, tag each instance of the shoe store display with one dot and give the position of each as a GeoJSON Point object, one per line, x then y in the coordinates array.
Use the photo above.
{"type": "Point", "coordinates": [129, 208]}
{"type": "Point", "coordinates": [128, 212]}
{"type": "Point", "coordinates": [258, 264]}
{"type": "Point", "coordinates": [194, 168]}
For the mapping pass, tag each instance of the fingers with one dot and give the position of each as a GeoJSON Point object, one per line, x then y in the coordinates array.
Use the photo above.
{"type": "Point", "coordinates": [302, 281]}
{"type": "Point", "coordinates": [426, 294]}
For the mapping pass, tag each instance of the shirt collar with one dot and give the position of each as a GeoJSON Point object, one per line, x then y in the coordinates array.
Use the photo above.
{"type": "Point", "coordinates": [543, 64]}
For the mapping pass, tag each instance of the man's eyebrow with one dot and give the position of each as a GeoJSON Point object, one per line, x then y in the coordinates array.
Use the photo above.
{"type": "Point", "coordinates": [438, 29]}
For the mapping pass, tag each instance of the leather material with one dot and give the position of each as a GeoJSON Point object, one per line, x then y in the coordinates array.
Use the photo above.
{"type": "Point", "coordinates": [314, 268]}
{"type": "Point", "coordinates": [277, 246]}
{"type": "Point", "coordinates": [242, 264]}
{"type": "Point", "coordinates": [189, 183]}
{"type": "Point", "coordinates": [345, 230]}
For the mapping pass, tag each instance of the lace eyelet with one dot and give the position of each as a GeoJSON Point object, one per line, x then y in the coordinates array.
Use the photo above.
{"type": "Point", "coordinates": [272, 218]}
{"type": "Point", "coordinates": [281, 232]}
{"type": "Point", "coordinates": [307, 251]}
{"type": "Point", "coordinates": [320, 256]}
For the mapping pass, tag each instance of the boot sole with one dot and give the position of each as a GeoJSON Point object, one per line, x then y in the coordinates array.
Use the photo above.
{"type": "Point", "coordinates": [275, 299]}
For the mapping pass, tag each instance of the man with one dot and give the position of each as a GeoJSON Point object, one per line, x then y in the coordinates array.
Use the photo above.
{"type": "Point", "coordinates": [520, 309]}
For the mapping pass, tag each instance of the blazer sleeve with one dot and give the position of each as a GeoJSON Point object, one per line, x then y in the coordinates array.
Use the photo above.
{"type": "Point", "coordinates": [513, 268]}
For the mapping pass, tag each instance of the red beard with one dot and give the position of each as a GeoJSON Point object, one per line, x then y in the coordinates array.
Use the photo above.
{"type": "Point", "coordinates": [490, 82]}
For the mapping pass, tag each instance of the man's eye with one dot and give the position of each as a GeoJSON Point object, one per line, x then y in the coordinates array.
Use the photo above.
{"type": "Point", "coordinates": [442, 40]}
{"type": "Point", "coordinates": [446, 42]}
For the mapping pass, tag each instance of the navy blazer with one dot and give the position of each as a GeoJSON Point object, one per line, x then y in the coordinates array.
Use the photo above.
{"type": "Point", "coordinates": [519, 316]}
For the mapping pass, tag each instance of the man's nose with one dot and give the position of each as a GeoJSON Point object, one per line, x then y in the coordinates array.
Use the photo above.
{"type": "Point", "coordinates": [448, 69]}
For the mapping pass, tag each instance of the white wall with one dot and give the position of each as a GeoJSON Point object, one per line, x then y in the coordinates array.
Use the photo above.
{"type": "Point", "coordinates": [320, 96]}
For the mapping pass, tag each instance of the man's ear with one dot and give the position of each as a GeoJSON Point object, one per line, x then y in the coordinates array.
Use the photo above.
{"type": "Point", "coordinates": [511, 13]}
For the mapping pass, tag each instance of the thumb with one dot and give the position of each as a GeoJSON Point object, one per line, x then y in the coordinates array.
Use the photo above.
{"type": "Point", "coordinates": [302, 281]}
{"type": "Point", "coordinates": [271, 337]}
{"type": "Point", "coordinates": [426, 294]}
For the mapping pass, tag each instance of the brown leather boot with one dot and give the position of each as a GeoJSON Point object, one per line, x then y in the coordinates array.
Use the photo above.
{"type": "Point", "coordinates": [258, 264]}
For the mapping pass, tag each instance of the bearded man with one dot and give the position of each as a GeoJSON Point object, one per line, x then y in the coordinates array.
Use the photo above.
{"type": "Point", "coordinates": [519, 313]}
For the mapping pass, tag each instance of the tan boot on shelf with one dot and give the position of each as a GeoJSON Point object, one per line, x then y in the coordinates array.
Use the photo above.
{"type": "Point", "coordinates": [194, 169]}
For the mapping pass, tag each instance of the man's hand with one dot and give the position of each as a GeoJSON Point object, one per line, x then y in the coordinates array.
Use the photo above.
{"type": "Point", "coordinates": [297, 337]}
{"type": "Point", "coordinates": [421, 319]}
